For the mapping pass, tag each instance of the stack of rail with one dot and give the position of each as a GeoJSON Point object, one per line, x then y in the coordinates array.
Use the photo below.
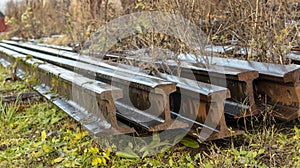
{"type": "Point", "coordinates": [253, 85]}
{"type": "Point", "coordinates": [123, 101]}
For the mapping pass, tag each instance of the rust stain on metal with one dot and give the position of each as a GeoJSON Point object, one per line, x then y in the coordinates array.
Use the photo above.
{"type": "Point", "coordinates": [284, 96]}
{"type": "Point", "coordinates": [250, 84]}
{"type": "Point", "coordinates": [81, 95]}
{"type": "Point", "coordinates": [278, 85]}
{"type": "Point", "coordinates": [248, 78]}
{"type": "Point", "coordinates": [240, 84]}
{"type": "Point", "coordinates": [145, 86]}
{"type": "Point", "coordinates": [203, 103]}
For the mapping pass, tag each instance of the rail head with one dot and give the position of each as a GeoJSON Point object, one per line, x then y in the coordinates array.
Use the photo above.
{"type": "Point", "coordinates": [147, 81]}
{"type": "Point", "coordinates": [280, 73]}
{"type": "Point", "coordinates": [98, 87]}
{"type": "Point", "coordinates": [200, 67]}
{"type": "Point", "coordinates": [75, 56]}
{"type": "Point", "coordinates": [105, 91]}
{"type": "Point", "coordinates": [206, 91]}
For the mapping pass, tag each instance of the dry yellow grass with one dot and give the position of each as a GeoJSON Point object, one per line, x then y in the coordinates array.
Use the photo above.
{"type": "Point", "coordinates": [254, 23]}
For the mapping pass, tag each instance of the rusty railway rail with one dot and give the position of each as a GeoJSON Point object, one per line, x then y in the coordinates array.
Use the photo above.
{"type": "Point", "coordinates": [64, 54]}
{"type": "Point", "coordinates": [202, 102]}
{"type": "Point", "coordinates": [61, 48]}
{"type": "Point", "coordinates": [97, 120]}
{"type": "Point", "coordinates": [23, 98]}
{"type": "Point", "coordinates": [246, 80]}
{"type": "Point", "coordinates": [251, 84]}
{"type": "Point", "coordinates": [141, 86]}
{"type": "Point", "coordinates": [278, 85]}
{"type": "Point", "coordinates": [130, 114]}
{"type": "Point", "coordinates": [197, 102]}
{"type": "Point", "coordinates": [238, 81]}
{"type": "Point", "coordinates": [295, 57]}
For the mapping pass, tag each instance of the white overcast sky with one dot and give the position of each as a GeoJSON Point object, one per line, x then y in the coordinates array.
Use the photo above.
{"type": "Point", "coordinates": [3, 2]}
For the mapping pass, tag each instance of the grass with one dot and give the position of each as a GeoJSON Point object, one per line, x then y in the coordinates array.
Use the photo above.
{"type": "Point", "coordinates": [267, 37]}
{"type": "Point", "coordinates": [41, 135]}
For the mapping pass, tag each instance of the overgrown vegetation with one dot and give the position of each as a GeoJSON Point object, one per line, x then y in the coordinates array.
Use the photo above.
{"type": "Point", "coordinates": [265, 30]}
{"type": "Point", "coordinates": [40, 135]}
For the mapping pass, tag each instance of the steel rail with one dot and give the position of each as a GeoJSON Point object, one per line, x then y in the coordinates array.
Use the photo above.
{"type": "Point", "coordinates": [74, 95]}
{"type": "Point", "coordinates": [141, 88]}
{"type": "Point", "coordinates": [278, 85]}
{"type": "Point", "coordinates": [220, 132]}
{"type": "Point", "coordinates": [238, 81]}
{"type": "Point", "coordinates": [199, 102]}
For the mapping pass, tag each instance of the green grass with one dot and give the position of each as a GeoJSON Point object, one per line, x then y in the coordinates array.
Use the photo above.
{"type": "Point", "coordinates": [41, 135]}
